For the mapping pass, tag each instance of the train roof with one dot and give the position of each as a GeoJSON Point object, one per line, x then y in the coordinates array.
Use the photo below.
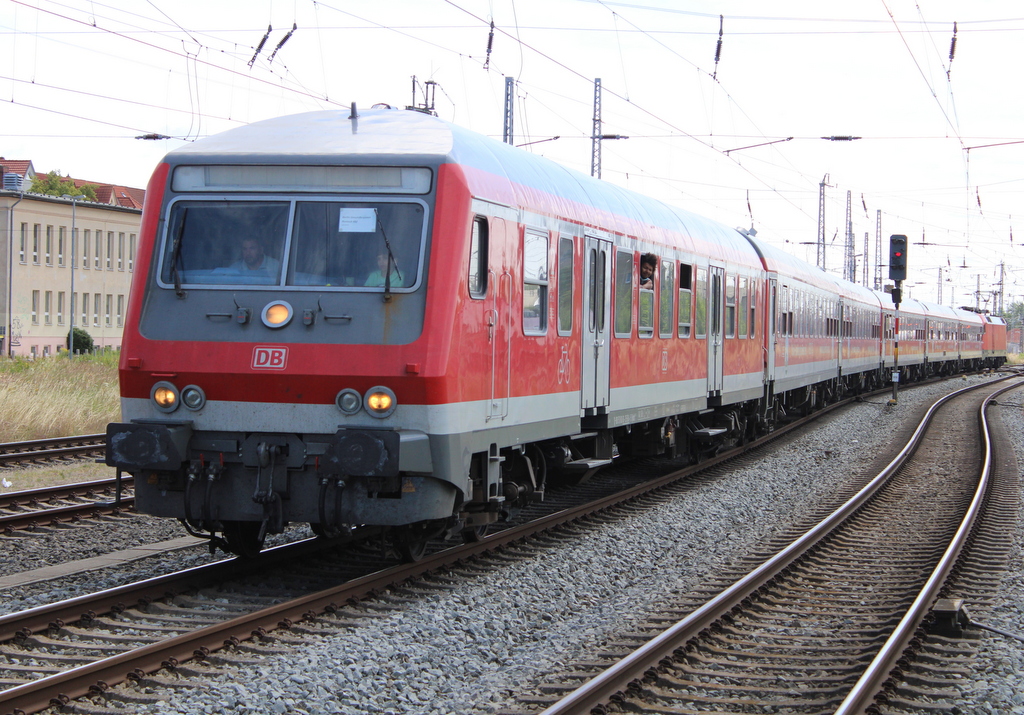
{"type": "Point", "coordinates": [494, 170]}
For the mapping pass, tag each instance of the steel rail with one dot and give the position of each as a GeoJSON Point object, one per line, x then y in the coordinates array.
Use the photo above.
{"type": "Point", "coordinates": [618, 677]}
{"type": "Point", "coordinates": [61, 491]}
{"type": "Point", "coordinates": [42, 449]}
{"type": "Point", "coordinates": [63, 514]}
{"type": "Point", "coordinates": [872, 681]}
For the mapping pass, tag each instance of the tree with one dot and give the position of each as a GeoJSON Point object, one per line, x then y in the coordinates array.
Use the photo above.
{"type": "Point", "coordinates": [83, 341]}
{"type": "Point", "coordinates": [52, 184]}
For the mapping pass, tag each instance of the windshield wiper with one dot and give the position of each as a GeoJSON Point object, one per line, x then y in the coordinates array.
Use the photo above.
{"type": "Point", "coordinates": [391, 261]}
{"type": "Point", "coordinates": [176, 255]}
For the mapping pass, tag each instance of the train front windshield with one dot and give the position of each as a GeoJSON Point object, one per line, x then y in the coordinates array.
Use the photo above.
{"type": "Point", "coordinates": [356, 245]}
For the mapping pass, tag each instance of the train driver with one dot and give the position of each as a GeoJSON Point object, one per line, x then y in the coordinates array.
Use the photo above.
{"type": "Point", "coordinates": [648, 264]}
{"type": "Point", "coordinates": [254, 258]}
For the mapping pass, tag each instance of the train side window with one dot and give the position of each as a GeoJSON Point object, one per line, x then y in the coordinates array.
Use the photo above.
{"type": "Point", "coordinates": [478, 258]}
{"type": "Point", "coordinates": [565, 269]}
{"type": "Point", "coordinates": [752, 308]}
{"type": "Point", "coordinates": [730, 306]}
{"type": "Point", "coordinates": [645, 298]}
{"type": "Point", "coordinates": [535, 283]}
{"type": "Point", "coordinates": [744, 300]}
{"type": "Point", "coordinates": [667, 290]}
{"type": "Point", "coordinates": [623, 294]}
{"type": "Point", "coordinates": [701, 318]}
{"type": "Point", "coordinates": [685, 299]}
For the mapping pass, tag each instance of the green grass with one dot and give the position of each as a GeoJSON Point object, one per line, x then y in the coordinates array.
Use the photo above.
{"type": "Point", "coordinates": [57, 397]}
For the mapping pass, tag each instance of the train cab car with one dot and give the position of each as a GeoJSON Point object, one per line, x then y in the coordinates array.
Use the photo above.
{"type": "Point", "coordinates": [384, 319]}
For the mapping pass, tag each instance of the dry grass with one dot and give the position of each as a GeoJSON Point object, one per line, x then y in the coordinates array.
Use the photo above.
{"type": "Point", "coordinates": [57, 397]}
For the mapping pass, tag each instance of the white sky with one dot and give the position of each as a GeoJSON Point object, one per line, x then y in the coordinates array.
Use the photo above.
{"type": "Point", "coordinates": [79, 81]}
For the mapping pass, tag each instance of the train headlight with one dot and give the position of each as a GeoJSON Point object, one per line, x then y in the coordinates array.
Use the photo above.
{"type": "Point", "coordinates": [349, 401]}
{"type": "Point", "coordinates": [164, 396]}
{"type": "Point", "coordinates": [193, 397]}
{"type": "Point", "coordinates": [380, 401]}
{"type": "Point", "coordinates": [277, 314]}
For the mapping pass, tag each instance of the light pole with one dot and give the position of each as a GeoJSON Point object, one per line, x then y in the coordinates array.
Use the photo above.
{"type": "Point", "coordinates": [74, 260]}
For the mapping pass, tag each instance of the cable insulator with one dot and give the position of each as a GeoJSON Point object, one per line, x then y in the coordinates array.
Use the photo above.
{"type": "Point", "coordinates": [259, 47]}
{"type": "Point", "coordinates": [281, 43]}
{"type": "Point", "coordinates": [490, 44]}
{"type": "Point", "coordinates": [952, 44]}
{"type": "Point", "coordinates": [718, 49]}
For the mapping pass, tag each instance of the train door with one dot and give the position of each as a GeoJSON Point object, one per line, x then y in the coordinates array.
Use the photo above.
{"type": "Point", "coordinates": [716, 320]}
{"type": "Point", "coordinates": [841, 351]}
{"type": "Point", "coordinates": [499, 322]}
{"type": "Point", "coordinates": [597, 266]}
{"type": "Point", "coordinates": [771, 336]}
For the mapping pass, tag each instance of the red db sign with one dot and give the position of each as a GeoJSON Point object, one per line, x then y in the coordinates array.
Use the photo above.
{"type": "Point", "coordinates": [269, 357]}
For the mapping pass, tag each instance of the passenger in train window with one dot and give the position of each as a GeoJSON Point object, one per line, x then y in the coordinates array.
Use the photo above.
{"type": "Point", "coordinates": [648, 264]}
{"type": "Point", "coordinates": [376, 278]}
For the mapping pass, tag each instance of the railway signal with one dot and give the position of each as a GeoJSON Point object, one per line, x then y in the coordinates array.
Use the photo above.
{"type": "Point", "coordinates": [897, 257]}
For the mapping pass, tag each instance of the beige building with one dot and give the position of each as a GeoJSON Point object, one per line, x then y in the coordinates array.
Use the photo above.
{"type": "Point", "coordinates": [66, 263]}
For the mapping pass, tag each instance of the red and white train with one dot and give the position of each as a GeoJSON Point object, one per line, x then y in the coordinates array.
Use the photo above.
{"type": "Point", "coordinates": [386, 319]}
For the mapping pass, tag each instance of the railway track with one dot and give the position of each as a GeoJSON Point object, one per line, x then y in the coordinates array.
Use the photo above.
{"type": "Point", "coordinates": [49, 450]}
{"type": "Point", "coordinates": [829, 623]}
{"type": "Point", "coordinates": [65, 503]}
{"type": "Point", "coordinates": [140, 628]}
{"type": "Point", "coordinates": [161, 623]}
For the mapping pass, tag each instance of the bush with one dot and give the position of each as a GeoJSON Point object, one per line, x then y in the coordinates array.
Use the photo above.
{"type": "Point", "coordinates": [83, 341]}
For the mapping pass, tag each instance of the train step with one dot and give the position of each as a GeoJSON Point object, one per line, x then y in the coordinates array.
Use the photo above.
{"type": "Point", "coordinates": [707, 434]}
{"type": "Point", "coordinates": [583, 465]}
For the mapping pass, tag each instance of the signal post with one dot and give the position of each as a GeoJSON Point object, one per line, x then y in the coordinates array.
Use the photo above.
{"type": "Point", "coordinates": [897, 274]}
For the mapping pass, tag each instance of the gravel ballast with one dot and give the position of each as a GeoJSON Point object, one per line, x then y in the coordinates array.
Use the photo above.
{"type": "Point", "coordinates": [470, 645]}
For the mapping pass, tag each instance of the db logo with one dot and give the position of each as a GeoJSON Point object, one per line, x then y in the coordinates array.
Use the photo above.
{"type": "Point", "coordinates": [267, 357]}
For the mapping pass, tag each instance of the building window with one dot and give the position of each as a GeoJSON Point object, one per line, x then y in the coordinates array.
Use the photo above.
{"type": "Point", "coordinates": [61, 238]}
{"type": "Point", "coordinates": [96, 309]}
{"type": "Point", "coordinates": [36, 228]}
{"type": "Point", "coordinates": [110, 250]}
{"type": "Point", "coordinates": [120, 311]}
{"type": "Point", "coordinates": [46, 351]}
{"type": "Point", "coordinates": [477, 258]}
{"type": "Point", "coordinates": [120, 251]}
{"type": "Point", "coordinates": [47, 305]}
{"type": "Point", "coordinates": [110, 303]}
{"type": "Point", "coordinates": [24, 242]}
{"type": "Point", "coordinates": [535, 283]}
{"type": "Point", "coordinates": [565, 271]}
{"type": "Point", "coordinates": [74, 306]}
{"type": "Point", "coordinates": [74, 246]}
{"type": "Point", "coordinates": [35, 307]}
{"type": "Point", "coordinates": [131, 252]}
{"type": "Point", "coordinates": [49, 245]}
{"type": "Point", "coordinates": [60, 308]}
{"type": "Point", "coordinates": [85, 248]}
{"type": "Point", "coordinates": [99, 249]}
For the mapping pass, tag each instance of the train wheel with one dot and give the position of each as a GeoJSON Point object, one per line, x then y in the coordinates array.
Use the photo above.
{"type": "Point", "coordinates": [411, 540]}
{"type": "Point", "coordinates": [474, 534]}
{"type": "Point", "coordinates": [244, 538]}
